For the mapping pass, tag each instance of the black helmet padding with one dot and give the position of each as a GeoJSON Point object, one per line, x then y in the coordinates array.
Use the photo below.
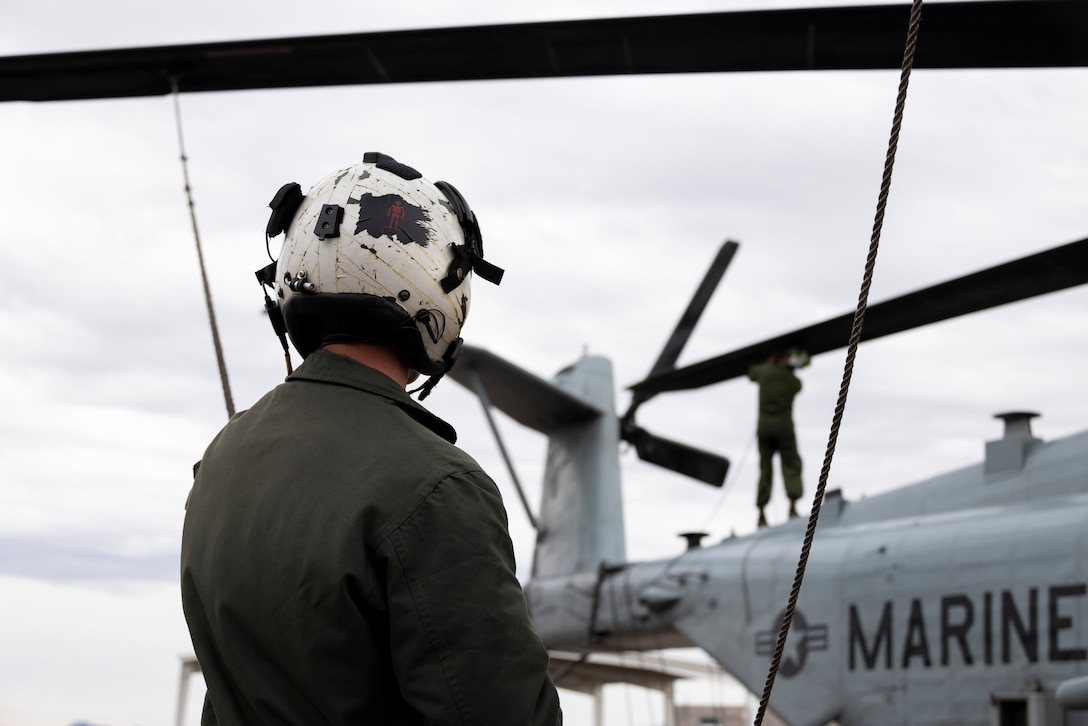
{"type": "Point", "coordinates": [316, 318]}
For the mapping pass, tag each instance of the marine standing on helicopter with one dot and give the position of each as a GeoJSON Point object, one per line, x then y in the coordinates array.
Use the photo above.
{"type": "Point", "coordinates": [342, 561]}
{"type": "Point", "coordinates": [778, 385]}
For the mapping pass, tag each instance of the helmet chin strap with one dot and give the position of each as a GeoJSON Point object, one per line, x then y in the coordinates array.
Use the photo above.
{"type": "Point", "coordinates": [450, 357]}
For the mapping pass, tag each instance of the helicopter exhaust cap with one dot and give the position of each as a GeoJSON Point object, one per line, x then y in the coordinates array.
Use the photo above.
{"type": "Point", "coordinates": [1010, 452]}
{"type": "Point", "coordinates": [694, 539]}
{"type": "Point", "coordinates": [1017, 424]}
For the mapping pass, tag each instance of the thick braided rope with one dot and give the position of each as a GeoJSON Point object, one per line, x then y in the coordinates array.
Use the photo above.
{"type": "Point", "coordinates": [851, 354]}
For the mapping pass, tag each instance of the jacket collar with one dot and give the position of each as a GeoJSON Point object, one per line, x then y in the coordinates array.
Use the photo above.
{"type": "Point", "coordinates": [326, 367]}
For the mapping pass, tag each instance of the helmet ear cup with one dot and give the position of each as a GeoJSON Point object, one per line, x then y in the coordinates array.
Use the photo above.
{"type": "Point", "coordinates": [470, 256]}
{"type": "Point", "coordinates": [284, 205]}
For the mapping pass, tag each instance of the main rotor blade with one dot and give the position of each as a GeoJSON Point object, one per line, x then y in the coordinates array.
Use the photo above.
{"type": "Point", "coordinates": [523, 396]}
{"type": "Point", "coordinates": [1055, 269]}
{"type": "Point", "coordinates": [681, 458]}
{"type": "Point", "coordinates": [989, 34]}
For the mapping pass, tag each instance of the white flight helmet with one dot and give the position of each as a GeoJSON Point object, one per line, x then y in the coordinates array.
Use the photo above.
{"type": "Point", "coordinates": [376, 253]}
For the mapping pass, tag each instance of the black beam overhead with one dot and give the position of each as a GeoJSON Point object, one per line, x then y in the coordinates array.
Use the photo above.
{"type": "Point", "coordinates": [988, 34]}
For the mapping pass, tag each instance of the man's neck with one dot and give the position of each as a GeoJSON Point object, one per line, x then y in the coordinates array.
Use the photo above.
{"type": "Point", "coordinates": [381, 358]}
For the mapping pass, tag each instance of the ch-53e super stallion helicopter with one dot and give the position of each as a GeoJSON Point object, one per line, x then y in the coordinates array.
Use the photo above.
{"type": "Point", "coordinates": [900, 645]}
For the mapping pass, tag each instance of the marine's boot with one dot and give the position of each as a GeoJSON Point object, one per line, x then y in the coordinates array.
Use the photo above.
{"type": "Point", "coordinates": [793, 509]}
{"type": "Point", "coordinates": [762, 519]}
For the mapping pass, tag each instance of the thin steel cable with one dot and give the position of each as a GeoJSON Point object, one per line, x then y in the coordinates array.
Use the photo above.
{"type": "Point", "coordinates": [200, 256]}
{"type": "Point", "coordinates": [851, 354]}
{"type": "Point", "coordinates": [730, 484]}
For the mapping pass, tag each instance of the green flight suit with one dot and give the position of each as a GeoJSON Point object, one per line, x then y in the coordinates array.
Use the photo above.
{"type": "Point", "coordinates": [774, 430]}
{"type": "Point", "coordinates": [343, 563]}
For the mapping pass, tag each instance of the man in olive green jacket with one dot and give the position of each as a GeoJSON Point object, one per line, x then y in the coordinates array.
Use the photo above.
{"type": "Point", "coordinates": [774, 430]}
{"type": "Point", "coordinates": [329, 580]}
{"type": "Point", "coordinates": [342, 561]}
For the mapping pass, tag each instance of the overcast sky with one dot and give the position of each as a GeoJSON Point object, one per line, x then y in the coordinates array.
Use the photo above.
{"type": "Point", "coordinates": [603, 198]}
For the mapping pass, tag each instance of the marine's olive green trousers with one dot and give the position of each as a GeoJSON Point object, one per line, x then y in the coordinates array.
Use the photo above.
{"type": "Point", "coordinates": [777, 436]}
